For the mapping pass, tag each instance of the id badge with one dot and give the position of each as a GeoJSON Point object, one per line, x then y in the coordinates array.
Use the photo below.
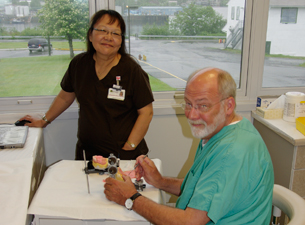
{"type": "Point", "coordinates": [116, 94]}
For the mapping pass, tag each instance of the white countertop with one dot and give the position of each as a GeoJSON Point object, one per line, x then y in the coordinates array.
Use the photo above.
{"type": "Point", "coordinates": [63, 194]}
{"type": "Point", "coordinates": [285, 129]}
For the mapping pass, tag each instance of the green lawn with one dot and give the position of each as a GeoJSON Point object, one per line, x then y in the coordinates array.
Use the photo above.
{"type": "Point", "coordinates": [34, 76]}
{"type": "Point", "coordinates": [56, 44]}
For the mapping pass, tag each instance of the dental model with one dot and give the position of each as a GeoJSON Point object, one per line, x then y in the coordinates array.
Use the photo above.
{"type": "Point", "coordinates": [99, 162]}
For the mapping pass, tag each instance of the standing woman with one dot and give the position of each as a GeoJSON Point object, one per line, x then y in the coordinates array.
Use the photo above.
{"type": "Point", "coordinates": [113, 92]}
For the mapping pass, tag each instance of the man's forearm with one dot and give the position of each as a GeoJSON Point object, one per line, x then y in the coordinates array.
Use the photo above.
{"type": "Point", "coordinates": [153, 212]}
{"type": "Point", "coordinates": [170, 185]}
{"type": "Point", "coordinates": [160, 214]}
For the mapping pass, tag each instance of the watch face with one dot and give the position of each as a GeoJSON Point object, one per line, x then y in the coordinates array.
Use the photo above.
{"type": "Point", "coordinates": [129, 204]}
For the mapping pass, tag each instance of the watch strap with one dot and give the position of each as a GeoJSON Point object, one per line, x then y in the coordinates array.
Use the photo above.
{"type": "Point", "coordinates": [135, 196]}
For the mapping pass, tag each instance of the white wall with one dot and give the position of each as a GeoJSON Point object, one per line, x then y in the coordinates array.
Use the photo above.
{"type": "Point", "coordinates": [22, 11]}
{"type": "Point", "coordinates": [169, 138]}
{"type": "Point", "coordinates": [232, 23]}
{"type": "Point", "coordinates": [285, 38]}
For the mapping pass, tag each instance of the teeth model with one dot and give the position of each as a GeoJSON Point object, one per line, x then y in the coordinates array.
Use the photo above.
{"type": "Point", "coordinates": [118, 175]}
{"type": "Point", "coordinates": [99, 162]}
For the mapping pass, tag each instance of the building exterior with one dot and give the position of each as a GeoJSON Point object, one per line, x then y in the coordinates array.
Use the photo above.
{"type": "Point", "coordinates": [159, 10]}
{"type": "Point", "coordinates": [18, 10]}
{"type": "Point", "coordinates": [286, 28]}
{"type": "Point", "coordinates": [235, 22]}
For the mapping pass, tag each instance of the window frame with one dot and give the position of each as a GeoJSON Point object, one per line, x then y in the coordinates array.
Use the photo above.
{"type": "Point", "coordinates": [252, 66]}
{"type": "Point", "coordinates": [289, 22]}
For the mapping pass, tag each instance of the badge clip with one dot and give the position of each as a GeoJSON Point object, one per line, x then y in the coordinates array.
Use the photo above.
{"type": "Point", "coordinates": [117, 87]}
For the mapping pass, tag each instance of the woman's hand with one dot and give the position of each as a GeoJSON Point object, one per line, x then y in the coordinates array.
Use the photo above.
{"type": "Point", "coordinates": [34, 122]}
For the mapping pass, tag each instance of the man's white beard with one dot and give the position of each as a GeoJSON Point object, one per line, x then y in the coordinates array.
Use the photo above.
{"type": "Point", "coordinates": [202, 133]}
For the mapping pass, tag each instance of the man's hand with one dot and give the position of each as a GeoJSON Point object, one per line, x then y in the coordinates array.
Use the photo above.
{"type": "Point", "coordinates": [119, 191]}
{"type": "Point", "coordinates": [147, 169]}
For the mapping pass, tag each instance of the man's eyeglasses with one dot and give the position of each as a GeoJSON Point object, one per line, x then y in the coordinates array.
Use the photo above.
{"type": "Point", "coordinates": [187, 107]}
{"type": "Point", "coordinates": [105, 32]}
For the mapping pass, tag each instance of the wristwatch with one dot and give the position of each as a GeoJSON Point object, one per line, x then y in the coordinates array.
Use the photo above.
{"type": "Point", "coordinates": [131, 144]}
{"type": "Point", "coordinates": [44, 118]}
{"type": "Point", "coordinates": [129, 201]}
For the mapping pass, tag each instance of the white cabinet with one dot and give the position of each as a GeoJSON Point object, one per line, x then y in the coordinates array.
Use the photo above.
{"type": "Point", "coordinates": [21, 171]}
{"type": "Point", "coordinates": [286, 146]}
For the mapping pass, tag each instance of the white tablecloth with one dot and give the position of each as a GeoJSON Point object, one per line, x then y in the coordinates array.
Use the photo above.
{"type": "Point", "coordinates": [63, 193]}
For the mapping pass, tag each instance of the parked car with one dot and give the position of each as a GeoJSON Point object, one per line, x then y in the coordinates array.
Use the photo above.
{"type": "Point", "coordinates": [38, 44]}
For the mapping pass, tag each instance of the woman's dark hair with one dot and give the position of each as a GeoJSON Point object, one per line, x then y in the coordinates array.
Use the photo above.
{"type": "Point", "coordinates": [114, 16]}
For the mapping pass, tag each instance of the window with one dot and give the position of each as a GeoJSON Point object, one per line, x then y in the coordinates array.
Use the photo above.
{"type": "Point", "coordinates": [237, 12]}
{"type": "Point", "coordinates": [33, 62]}
{"type": "Point", "coordinates": [284, 64]}
{"type": "Point", "coordinates": [169, 49]}
{"type": "Point", "coordinates": [233, 13]}
{"type": "Point", "coordinates": [289, 15]}
{"type": "Point", "coordinates": [29, 82]}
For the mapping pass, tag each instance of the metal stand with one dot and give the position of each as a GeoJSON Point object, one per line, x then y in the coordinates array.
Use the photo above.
{"type": "Point", "coordinates": [139, 185]}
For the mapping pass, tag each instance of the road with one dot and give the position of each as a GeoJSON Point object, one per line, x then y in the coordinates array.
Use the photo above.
{"type": "Point", "coordinates": [172, 61]}
{"type": "Point", "coordinates": [15, 53]}
{"type": "Point", "coordinates": [181, 58]}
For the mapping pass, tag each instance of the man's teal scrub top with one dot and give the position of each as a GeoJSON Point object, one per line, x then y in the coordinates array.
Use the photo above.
{"type": "Point", "coordinates": [231, 178]}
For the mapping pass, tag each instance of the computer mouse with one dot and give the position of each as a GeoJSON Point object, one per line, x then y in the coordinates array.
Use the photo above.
{"type": "Point", "coordinates": [21, 122]}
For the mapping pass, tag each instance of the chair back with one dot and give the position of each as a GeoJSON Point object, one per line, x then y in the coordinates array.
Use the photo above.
{"type": "Point", "coordinates": [290, 203]}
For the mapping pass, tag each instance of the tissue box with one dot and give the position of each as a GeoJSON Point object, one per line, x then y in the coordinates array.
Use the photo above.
{"type": "Point", "coordinates": [265, 101]}
{"type": "Point", "coordinates": [300, 124]}
{"type": "Point", "coordinates": [270, 113]}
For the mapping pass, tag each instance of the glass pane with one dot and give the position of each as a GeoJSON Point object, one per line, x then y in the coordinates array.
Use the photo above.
{"type": "Point", "coordinates": [34, 48]}
{"type": "Point", "coordinates": [289, 15]}
{"type": "Point", "coordinates": [173, 39]}
{"type": "Point", "coordinates": [285, 47]}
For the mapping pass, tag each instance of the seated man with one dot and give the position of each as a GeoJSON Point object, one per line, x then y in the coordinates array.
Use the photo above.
{"type": "Point", "coordinates": [231, 180]}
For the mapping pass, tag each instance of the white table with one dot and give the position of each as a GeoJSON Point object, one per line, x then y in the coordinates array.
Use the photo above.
{"type": "Point", "coordinates": [21, 170]}
{"type": "Point", "coordinates": [62, 197]}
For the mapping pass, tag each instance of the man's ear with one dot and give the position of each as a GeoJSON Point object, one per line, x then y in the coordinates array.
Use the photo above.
{"type": "Point", "coordinates": [230, 105]}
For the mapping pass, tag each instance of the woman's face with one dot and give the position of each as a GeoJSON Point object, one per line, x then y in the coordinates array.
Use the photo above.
{"type": "Point", "coordinates": [107, 39]}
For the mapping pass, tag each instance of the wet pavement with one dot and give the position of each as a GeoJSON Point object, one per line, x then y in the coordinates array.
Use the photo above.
{"type": "Point", "coordinates": [172, 61]}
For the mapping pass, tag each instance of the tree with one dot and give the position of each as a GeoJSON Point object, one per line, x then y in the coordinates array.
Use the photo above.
{"type": "Point", "coordinates": [198, 20]}
{"type": "Point", "coordinates": [155, 30]}
{"type": "Point", "coordinates": [67, 18]}
{"type": "Point", "coordinates": [15, 2]}
{"type": "Point", "coordinates": [35, 4]}
{"type": "Point", "coordinates": [224, 2]}
{"type": "Point", "coordinates": [123, 3]}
